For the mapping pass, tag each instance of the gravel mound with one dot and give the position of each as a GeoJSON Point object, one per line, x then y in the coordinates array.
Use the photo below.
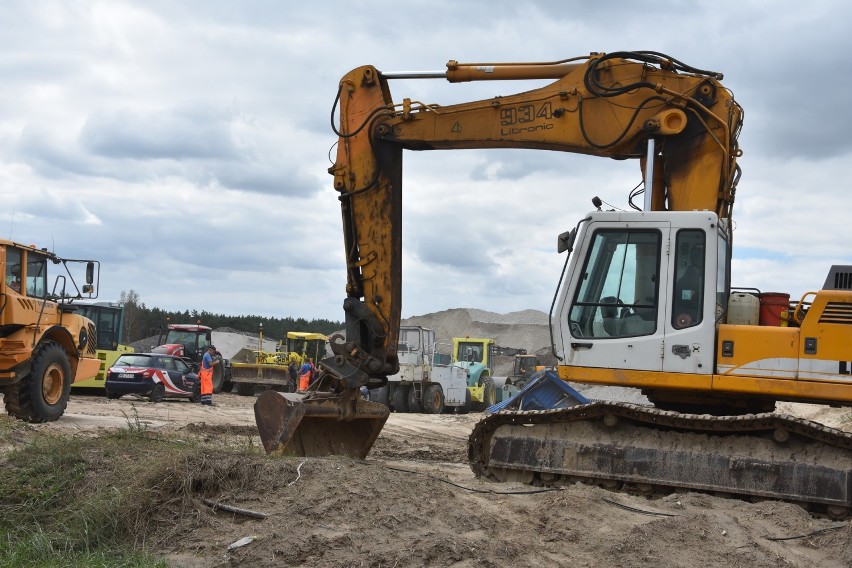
{"type": "Point", "coordinates": [526, 329]}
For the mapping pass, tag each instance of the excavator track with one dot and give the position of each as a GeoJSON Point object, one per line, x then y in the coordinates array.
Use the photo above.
{"type": "Point", "coordinates": [621, 445]}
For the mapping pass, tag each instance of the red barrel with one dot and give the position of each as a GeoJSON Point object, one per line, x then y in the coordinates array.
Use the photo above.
{"type": "Point", "coordinates": [774, 308]}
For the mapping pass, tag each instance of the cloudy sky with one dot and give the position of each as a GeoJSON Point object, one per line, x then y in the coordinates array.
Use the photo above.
{"type": "Point", "coordinates": [185, 145]}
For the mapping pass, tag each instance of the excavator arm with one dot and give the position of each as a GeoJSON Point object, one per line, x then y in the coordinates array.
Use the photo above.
{"type": "Point", "coordinates": [680, 122]}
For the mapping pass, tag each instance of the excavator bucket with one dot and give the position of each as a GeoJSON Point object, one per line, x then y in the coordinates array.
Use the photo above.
{"type": "Point", "coordinates": [318, 424]}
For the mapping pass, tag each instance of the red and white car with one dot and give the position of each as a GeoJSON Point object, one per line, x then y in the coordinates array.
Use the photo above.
{"type": "Point", "coordinates": [155, 375]}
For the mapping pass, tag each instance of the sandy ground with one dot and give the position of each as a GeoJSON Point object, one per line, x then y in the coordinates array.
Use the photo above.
{"type": "Point", "coordinates": [415, 502]}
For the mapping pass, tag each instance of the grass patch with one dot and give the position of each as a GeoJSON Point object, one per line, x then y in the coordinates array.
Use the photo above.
{"type": "Point", "coordinates": [107, 501]}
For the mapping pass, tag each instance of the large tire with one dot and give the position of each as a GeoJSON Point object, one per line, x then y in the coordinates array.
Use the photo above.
{"type": "Point", "coordinates": [399, 399]}
{"type": "Point", "coordinates": [489, 392]}
{"type": "Point", "coordinates": [433, 399]}
{"type": "Point", "coordinates": [218, 377]}
{"type": "Point", "coordinates": [380, 395]}
{"type": "Point", "coordinates": [245, 389]}
{"type": "Point", "coordinates": [158, 393]}
{"type": "Point", "coordinates": [42, 396]}
{"type": "Point", "coordinates": [415, 404]}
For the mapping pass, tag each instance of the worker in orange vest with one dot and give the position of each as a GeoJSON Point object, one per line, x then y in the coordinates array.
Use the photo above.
{"type": "Point", "coordinates": [305, 373]}
{"type": "Point", "coordinates": [205, 375]}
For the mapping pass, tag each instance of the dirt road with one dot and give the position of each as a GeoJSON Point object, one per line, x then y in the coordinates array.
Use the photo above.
{"type": "Point", "coordinates": [415, 502]}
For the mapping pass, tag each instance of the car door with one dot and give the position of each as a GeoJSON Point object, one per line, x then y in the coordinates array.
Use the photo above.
{"type": "Point", "coordinates": [184, 371]}
{"type": "Point", "coordinates": [169, 368]}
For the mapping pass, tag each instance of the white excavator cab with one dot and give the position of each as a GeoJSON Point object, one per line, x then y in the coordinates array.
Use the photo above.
{"type": "Point", "coordinates": [644, 292]}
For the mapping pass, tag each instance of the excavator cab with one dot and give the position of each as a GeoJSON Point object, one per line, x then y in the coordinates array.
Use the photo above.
{"type": "Point", "coordinates": [627, 302]}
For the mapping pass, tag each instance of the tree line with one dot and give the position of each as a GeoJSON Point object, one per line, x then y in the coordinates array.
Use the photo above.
{"type": "Point", "coordinates": [141, 322]}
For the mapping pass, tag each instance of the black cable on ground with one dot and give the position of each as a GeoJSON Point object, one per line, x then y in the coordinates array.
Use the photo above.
{"type": "Point", "coordinates": [814, 533]}
{"type": "Point", "coordinates": [490, 491]}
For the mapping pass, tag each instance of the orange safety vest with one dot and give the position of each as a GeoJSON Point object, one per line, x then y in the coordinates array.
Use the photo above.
{"type": "Point", "coordinates": [206, 378]}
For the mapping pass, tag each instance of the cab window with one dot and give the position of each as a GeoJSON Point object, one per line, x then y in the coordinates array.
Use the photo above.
{"type": "Point", "coordinates": [36, 275]}
{"type": "Point", "coordinates": [689, 279]}
{"type": "Point", "coordinates": [618, 291]}
{"type": "Point", "coordinates": [410, 337]}
{"type": "Point", "coordinates": [470, 352]}
{"type": "Point", "coordinates": [13, 269]}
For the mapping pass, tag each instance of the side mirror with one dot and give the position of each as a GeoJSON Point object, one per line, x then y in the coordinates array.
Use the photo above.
{"type": "Point", "coordinates": [90, 273]}
{"type": "Point", "coordinates": [565, 241]}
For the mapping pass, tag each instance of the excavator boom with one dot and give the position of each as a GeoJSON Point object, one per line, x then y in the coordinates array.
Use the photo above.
{"type": "Point", "coordinates": [602, 105]}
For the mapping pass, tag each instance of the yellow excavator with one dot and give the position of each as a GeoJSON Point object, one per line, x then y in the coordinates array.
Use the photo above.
{"type": "Point", "coordinates": [642, 302]}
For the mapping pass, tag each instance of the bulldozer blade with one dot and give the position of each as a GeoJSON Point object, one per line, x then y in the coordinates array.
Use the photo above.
{"type": "Point", "coordinates": [317, 424]}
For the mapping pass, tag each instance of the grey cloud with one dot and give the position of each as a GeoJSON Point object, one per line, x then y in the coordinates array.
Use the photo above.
{"type": "Point", "coordinates": [49, 156]}
{"type": "Point", "coordinates": [449, 243]}
{"type": "Point", "coordinates": [196, 133]}
{"type": "Point", "coordinates": [265, 177]}
{"type": "Point", "coordinates": [132, 147]}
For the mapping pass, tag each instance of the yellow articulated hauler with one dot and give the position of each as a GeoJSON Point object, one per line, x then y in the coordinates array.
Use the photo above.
{"type": "Point", "coordinates": [45, 344]}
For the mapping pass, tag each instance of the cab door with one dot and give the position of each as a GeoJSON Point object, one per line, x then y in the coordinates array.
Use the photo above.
{"type": "Point", "coordinates": [615, 318]}
{"type": "Point", "coordinates": [697, 297]}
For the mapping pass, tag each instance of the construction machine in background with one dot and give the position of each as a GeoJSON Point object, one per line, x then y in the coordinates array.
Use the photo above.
{"type": "Point", "coordinates": [423, 383]}
{"type": "Point", "coordinates": [108, 318]}
{"type": "Point", "coordinates": [190, 341]}
{"type": "Point", "coordinates": [45, 345]}
{"type": "Point", "coordinates": [476, 356]}
{"type": "Point", "coordinates": [251, 370]}
{"type": "Point", "coordinates": [642, 301]}
{"type": "Point", "coordinates": [524, 368]}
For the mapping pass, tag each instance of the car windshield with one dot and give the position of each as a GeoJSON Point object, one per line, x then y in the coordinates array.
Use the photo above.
{"type": "Point", "coordinates": [135, 360]}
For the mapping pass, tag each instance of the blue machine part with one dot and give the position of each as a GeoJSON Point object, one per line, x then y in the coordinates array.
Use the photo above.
{"type": "Point", "coordinates": [545, 392]}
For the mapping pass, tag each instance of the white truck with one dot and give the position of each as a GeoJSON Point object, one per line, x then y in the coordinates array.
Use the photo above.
{"type": "Point", "coordinates": [423, 384]}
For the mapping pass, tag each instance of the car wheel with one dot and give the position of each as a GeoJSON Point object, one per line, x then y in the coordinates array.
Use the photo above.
{"type": "Point", "coordinates": [196, 393]}
{"type": "Point", "coordinates": [158, 393]}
